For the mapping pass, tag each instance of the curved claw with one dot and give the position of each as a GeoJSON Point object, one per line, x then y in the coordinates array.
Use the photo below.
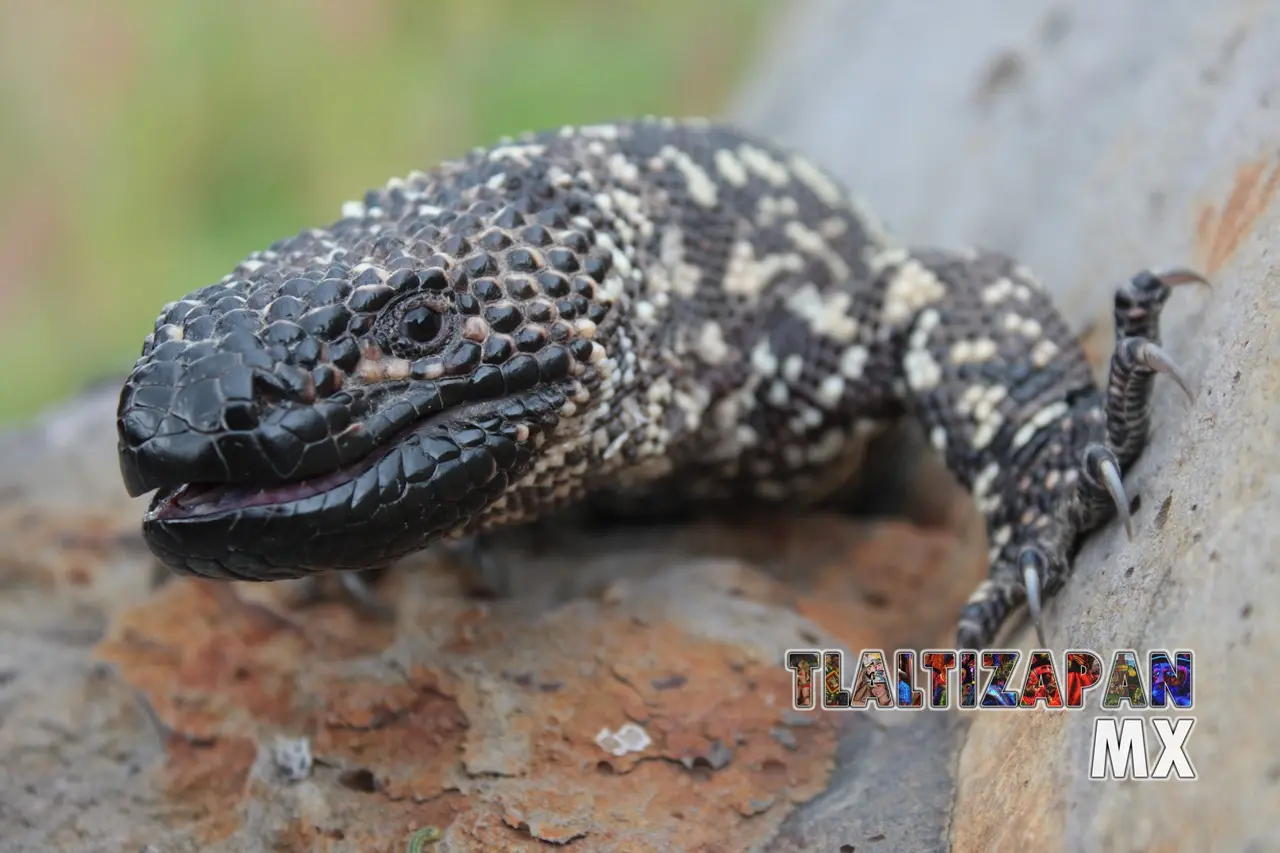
{"type": "Point", "coordinates": [1150, 355]}
{"type": "Point", "coordinates": [356, 585]}
{"type": "Point", "coordinates": [1103, 467]}
{"type": "Point", "coordinates": [1181, 275]}
{"type": "Point", "coordinates": [1034, 565]}
{"type": "Point", "coordinates": [356, 590]}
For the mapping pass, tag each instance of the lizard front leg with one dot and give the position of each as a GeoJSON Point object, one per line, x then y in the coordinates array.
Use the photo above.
{"type": "Point", "coordinates": [1006, 395]}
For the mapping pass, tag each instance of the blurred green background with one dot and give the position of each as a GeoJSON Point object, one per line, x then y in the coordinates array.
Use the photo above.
{"type": "Point", "coordinates": [146, 146]}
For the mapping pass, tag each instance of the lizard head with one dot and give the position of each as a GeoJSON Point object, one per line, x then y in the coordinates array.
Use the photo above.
{"type": "Point", "coordinates": [357, 392]}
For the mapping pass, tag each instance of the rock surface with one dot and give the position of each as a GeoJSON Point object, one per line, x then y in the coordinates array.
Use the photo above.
{"type": "Point", "coordinates": [1091, 140]}
{"type": "Point", "coordinates": [189, 718]}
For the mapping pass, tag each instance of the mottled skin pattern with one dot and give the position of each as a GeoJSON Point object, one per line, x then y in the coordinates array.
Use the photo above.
{"type": "Point", "coordinates": [658, 310]}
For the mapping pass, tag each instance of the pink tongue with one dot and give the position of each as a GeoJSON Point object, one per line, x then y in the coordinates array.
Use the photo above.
{"type": "Point", "coordinates": [203, 499]}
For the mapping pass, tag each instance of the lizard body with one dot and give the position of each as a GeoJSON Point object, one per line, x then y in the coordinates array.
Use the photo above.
{"type": "Point", "coordinates": [657, 310]}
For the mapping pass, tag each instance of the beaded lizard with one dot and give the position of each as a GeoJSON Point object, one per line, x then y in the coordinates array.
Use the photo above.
{"type": "Point", "coordinates": [658, 310]}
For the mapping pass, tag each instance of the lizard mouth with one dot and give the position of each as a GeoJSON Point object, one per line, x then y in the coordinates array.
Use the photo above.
{"type": "Point", "coordinates": [202, 498]}
{"type": "Point", "coordinates": [434, 476]}
{"type": "Point", "coordinates": [194, 500]}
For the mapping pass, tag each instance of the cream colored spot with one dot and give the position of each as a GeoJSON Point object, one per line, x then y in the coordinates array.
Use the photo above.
{"type": "Point", "coordinates": [475, 329]}
{"type": "Point", "coordinates": [912, 288]}
{"type": "Point", "coordinates": [748, 277]}
{"type": "Point", "coordinates": [852, 362]}
{"type": "Point", "coordinates": [623, 169]}
{"type": "Point", "coordinates": [763, 360]}
{"type": "Point", "coordinates": [731, 168]}
{"type": "Point", "coordinates": [778, 393]}
{"type": "Point", "coordinates": [928, 321]}
{"type": "Point", "coordinates": [879, 259]}
{"type": "Point", "coordinates": [828, 315]}
{"type": "Point", "coordinates": [813, 243]}
{"type": "Point", "coordinates": [521, 154]}
{"type": "Point", "coordinates": [831, 391]}
{"type": "Point", "coordinates": [812, 177]}
{"type": "Point", "coordinates": [986, 404]}
{"type": "Point", "coordinates": [373, 370]}
{"type": "Point", "coordinates": [985, 480]}
{"type": "Point", "coordinates": [966, 352]}
{"type": "Point", "coordinates": [683, 277]}
{"type": "Point", "coordinates": [711, 345]}
{"type": "Point", "coordinates": [833, 227]}
{"type": "Point", "coordinates": [432, 369]}
{"type": "Point", "coordinates": [1039, 421]}
{"type": "Point", "coordinates": [922, 371]}
{"type": "Point", "coordinates": [1043, 353]}
{"type": "Point", "coordinates": [701, 188]}
{"type": "Point", "coordinates": [770, 208]}
{"type": "Point", "coordinates": [763, 165]}
{"type": "Point", "coordinates": [981, 402]}
{"type": "Point", "coordinates": [792, 368]}
{"type": "Point", "coordinates": [998, 291]}
{"type": "Point", "coordinates": [938, 438]}
{"type": "Point", "coordinates": [620, 262]}
{"type": "Point", "coordinates": [987, 429]}
{"type": "Point", "coordinates": [1024, 326]}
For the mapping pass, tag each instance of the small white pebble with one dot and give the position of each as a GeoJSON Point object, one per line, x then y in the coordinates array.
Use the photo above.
{"type": "Point", "coordinates": [628, 738]}
{"type": "Point", "coordinates": [292, 756]}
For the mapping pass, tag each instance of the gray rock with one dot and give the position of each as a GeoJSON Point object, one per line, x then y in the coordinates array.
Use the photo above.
{"type": "Point", "coordinates": [1090, 139]}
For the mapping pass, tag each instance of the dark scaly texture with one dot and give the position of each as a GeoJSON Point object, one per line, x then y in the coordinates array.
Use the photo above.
{"type": "Point", "coordinates": [662, 308]}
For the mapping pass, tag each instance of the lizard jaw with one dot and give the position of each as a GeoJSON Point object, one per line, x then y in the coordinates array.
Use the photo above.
{"type": "Point", "coordinates": [416, 488]}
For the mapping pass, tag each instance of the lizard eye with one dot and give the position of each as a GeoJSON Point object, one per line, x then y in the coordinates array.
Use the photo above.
{"type": "Point", "coordinates": [417, 325]}
{"type": "Point", "coordinates": [422, 325]}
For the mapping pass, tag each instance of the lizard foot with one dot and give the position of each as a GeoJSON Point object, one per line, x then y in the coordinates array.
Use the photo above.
{"type": "Point", "coordinates": [1102, 485]}
{"type": "Point", "coordinates": [354, 588]}
{"type": "Point", "coordinates": [485, 574]}
{"type": "Point", "coordinates": [1081, 474]}
{"type": "Point", "coordinates": [1138, 357]}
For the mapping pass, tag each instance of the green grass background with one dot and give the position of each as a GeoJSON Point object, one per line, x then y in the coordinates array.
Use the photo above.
{"type": "Point", "coordinates": [146, 146]}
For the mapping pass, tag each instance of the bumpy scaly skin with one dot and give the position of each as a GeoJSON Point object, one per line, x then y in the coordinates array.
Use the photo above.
{"type": "Point", "coordinates": [659, 308]}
